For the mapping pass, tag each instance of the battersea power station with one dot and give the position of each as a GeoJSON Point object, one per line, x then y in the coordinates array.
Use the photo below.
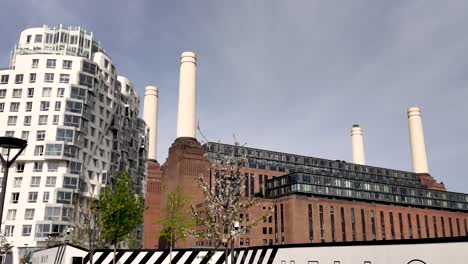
{"type": "Point", "coordinates": [308, 199]}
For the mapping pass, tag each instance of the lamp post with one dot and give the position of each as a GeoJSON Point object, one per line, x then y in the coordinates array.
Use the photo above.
{"type": "Point", "coordinates": [9, 143]}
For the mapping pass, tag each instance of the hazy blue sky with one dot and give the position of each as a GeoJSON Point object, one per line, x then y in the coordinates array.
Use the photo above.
{"type": "Point", "coordinates": [291, 76]}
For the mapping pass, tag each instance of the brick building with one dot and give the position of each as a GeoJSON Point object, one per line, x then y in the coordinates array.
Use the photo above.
{"type": "Point", "coordinates": [309, 199]}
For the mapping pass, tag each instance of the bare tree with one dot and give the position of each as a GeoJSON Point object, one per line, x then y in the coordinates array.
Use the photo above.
{"type": "Point", "coordinates": [5, 247]}
{"type": "Point", "coordinates": [223, 203]}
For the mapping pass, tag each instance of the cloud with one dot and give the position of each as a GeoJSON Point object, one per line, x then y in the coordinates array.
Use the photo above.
{"type": "Point", "coordinates": [292, 76]}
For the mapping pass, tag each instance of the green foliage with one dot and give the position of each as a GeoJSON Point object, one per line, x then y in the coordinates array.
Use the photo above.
{"type": "Point", "coordinates": [120, 209]}
{"type": "Point", "coordinates": [177, 223]}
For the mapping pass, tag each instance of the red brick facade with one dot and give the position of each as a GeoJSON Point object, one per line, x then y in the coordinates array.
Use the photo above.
{"type": "Point", "coordinates": [291, 220]}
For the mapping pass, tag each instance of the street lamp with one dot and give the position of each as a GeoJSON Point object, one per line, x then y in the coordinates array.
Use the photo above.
{"type": "Point", "coordinates": [9, 143]}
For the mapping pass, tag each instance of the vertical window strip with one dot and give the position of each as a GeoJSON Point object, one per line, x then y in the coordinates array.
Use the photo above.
{"type": "Point", "coordinates": [311, 226]}
{"type": "Point", "coordinates": [363, 223]}
{"type": "Point", "coordinates": [332, 221]}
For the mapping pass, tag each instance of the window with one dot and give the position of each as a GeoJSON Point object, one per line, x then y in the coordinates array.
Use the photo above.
{"type": "Point", "coordinates": [14, 197]}
{"type": "Point", "coordinates": [28, 106]}
{"type": "Point", "coordinates": [54, 149]}
{"type": "Point", "coordinates": [2, 93]}
{"type": "Point", "coordinates": [29, 214]}
{"type": "Point", "coordinates": [311, 229]}
{"type": "Point", "coordinates": [45, 197]}
{"type": "Point", "coordinates": [426, 223]}
{"type": "Point", "coordinates": [106, 63]}
{"type": "Point", "coordinates": [74, 167]}
{"type": "Point", "coordinates": [64, 78]}
{"type": "Point", "coordinates": [32, 77]}
{"type": "Point", "coordinates": [40, 136]}
{"type": "Point", "coordinates": [38, 39]}
{"type": "Point", "coordinates": [9, 133]}
{"type": "Point", "coordinates": [35, 181]}
{"type": "Point", "coordinates": [372, 216]}
{"type": "Point", "coordinates": [30, 92]}
{"type": "Point", "coordinates": [434, 222]}
{"type": "Point", "coordinates": [50, 181]}
{"type": "Point", "coordinates": [410, 227]}
{"type": "Point", "coordinates": [4, 79]}
{"type": "Point", "coordinates": [12, 120]}
{"type": "Point", "coordinates": [418, 226]}
{"type": "Point", "coordinates": [450, 227]}
{"type": "Point", "coordinates": [20, 167]}
{"type": "Point", "coordinates": [74, 107]}
{"type": "Point", "coordinates": [14, 107]}
{"type": "Point", "coordinates": [32, 197]}
{"type": "Point", "coordinates": [51, 63]}
{"type": "Point", "coordinates": [42, 120]}
{"type": "Point", "coordinates": [27, 121]}
{"type": "Point", "coordinates": [48, 77]}
{"type": "Point", "coordinates": [64, 197]}
{"type": "Point", "coordinates": [49, 38]}
{"type": "Point", "coordinates": [46, 92]}
{"type": "Point", "coordinates": [382, 223]}
{"type": "Point", "coordinates": [58, 105]}
{"type": "Point", "coordinates": [35, 63]}
{"type": "Point", "coordinates": [11, 214]}
{"type": "Point", "coordinates": [17, 93]}
{"type": "Point", "coordinates": [28, 39]}
{"type": "Point", "coordinates": [64, 135]}
{"type": "Point", "coordinates": [24, 135]}
{"type": "Point", "coordinates": [67, 64]}
{"type": "Point", "coordinates": [392, 228]}
{"type": "Point", "coordinates": [322, 226]}
{"type": "Point", "coordinates": [2, 107]}
{"type": "Point", "coordinates": [26, 230]}
{"type": "Point", "coordinates": [60, 92]}
{"type": "Point", "coordinates": [39, 150]}
{"type": "Point", "coordinates": [52, 166]}
{"type": "Point", "coordinates": [55, 120]}
{"type": "Point", "coordinates": [42, 230]}
{"type": "Point", "coordinates": [45, 105]}
{"type": "Point", "coordinates": [9, 230]}
{"type": "Point", "coordinates": [19, 78]}
{"type": "Point", "coordinates": [18, 181]}
{"type": "Point", "coordinates": [38, 166]}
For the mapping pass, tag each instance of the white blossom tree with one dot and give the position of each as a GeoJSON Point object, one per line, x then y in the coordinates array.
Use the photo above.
{"type": "Point", "coordinates": [223, 203]}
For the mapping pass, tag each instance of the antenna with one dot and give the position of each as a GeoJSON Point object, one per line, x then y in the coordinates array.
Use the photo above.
{"type": "Point", "coordinates": [236, 142]}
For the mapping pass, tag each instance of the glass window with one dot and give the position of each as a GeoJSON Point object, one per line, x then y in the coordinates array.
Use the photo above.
{"type": "Point", "coordinates": [46, 92]}
{"type": "Point", "coordinates": [20, 167]}
{"type": "Point", "coordinates": [2, 107]}
{"type": "Point", "coordinates": [11, 214]}
{"type": "Point", "coordinates": [17, 93]}
{"type": "Point", "coordinates": [64, 78]}
{"type": "Point", "coordinates": [50, 181]}
{"type": "Point", "coordinates": [65, 135]}
{"type": "Point", "coordinates": [30, 92]}
{"type": "Point", "coordinates": [29, 214]}
{"type": "Point", "coordinates": [38, 166]}
{"type": "Point", "coordinates": [64, 197]}
{"type": "Point", "coordinates": [12, 120]}
{"type": "Point", "coordinates": [60, 92]}
{"type": "Point", "coordinates": [51, 63]}
{"type": "Point", "coordinates": [2, 93]}
{"type": "Point", "coordinates": [9, 133]}
{"type": "Point", "coordinates": [45, 105]}
{"type": "Point", "coordinates": [4, 79]}
{"type": "Point", "coordinates": [54, 149]}
{"type": "Point", "coordinates": [43, 120]}
{"type": "Point", "coordinates": [74, 107]}
{"type": "Point", "coordinates": [58, 105]}
{"type": "Point", "coordinates": [32, 77]}
{"type": "Point", "coordinates": [38, 39]}
{"type": "Point", "coordinates": [32, 197]}
{"type": "Point", "coordinates": [26, 230]}
{"type": "Point", "coordinates": [55, 120]}
{"type": "Point", "coordinates": [52, 166]}
{"type": "Point", "coordinates": [42, 230]}
{"type": "Point", "coordinates": [14, 197]}
{"type": "Point", "coordinates": [27, 121]}
{"type": "Point", "coordinates": [39, 150]}
{"type": "Point", "coordinates": [9, 230]}
{"type": "Point", "coordinates": [45, 197]}
{"type": "Point", "coordinates": [67, 64]}
{"type": "Point", "coordinates": [35, 63]}
{"type": "Point", "coordinates": [28, 106]}
{"type": "Point", "coordinates": [48, 77]}
{"type": "Point", "coordinates": [14, 107]}
{"type": "Point", "coordinates": [35, 181]}
{"type": "Point", "coordinates": [24, 135]}
{"type": "Point", "coordinates": [19, 78]}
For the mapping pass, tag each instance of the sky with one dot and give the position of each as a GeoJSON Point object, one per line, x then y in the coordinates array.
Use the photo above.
{"type": "Point", "coordinates": [290, 76]}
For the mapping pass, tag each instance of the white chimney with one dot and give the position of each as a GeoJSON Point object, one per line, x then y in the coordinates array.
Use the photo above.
{"type": "Point", "coordinates": [187, 95]}
{"type": "Point", "coordinates": [357, 145]}
{"type": "Point", "coordinates": [150, 115]}
{"type": "Point", "coordinates": [418, 147]}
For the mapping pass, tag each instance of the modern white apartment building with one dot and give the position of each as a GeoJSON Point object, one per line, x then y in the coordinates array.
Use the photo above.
{"type": "Point", "coordinates": [62, 93]}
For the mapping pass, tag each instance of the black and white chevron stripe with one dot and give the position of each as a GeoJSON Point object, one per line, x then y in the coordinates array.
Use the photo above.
{"type": "Point", "coordinates": [202, 256]}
